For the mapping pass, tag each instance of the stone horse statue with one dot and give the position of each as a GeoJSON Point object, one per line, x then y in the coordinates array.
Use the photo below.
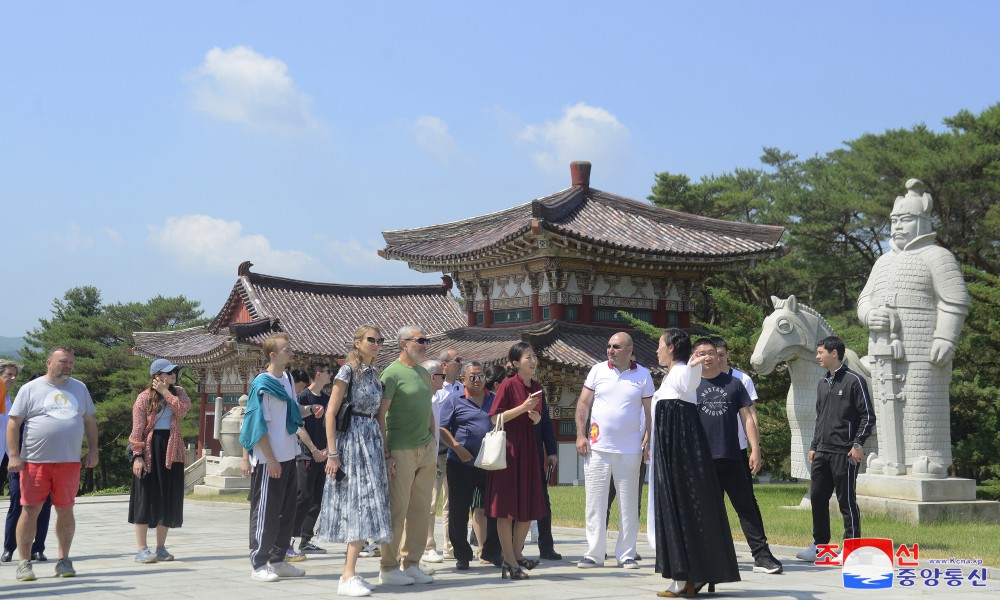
{"type": "Point", "coordinates": [790, 334]}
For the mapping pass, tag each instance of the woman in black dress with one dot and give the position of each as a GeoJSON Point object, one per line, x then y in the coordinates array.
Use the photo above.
{"type": "Point", "coordinates": [157, 498]}
{"type": "Point", "coordinates": [693, 543]}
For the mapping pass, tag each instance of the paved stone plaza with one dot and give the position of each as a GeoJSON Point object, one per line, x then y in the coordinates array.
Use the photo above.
{"type": "Point", "coordinates": [212, 563]}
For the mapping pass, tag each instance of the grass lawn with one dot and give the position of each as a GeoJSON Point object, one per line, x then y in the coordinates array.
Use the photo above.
{"type": "Point", "coordinates": [787, 527]}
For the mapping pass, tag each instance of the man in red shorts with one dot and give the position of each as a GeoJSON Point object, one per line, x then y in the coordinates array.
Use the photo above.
{"type": "Point", "coordinates": [57, 410]}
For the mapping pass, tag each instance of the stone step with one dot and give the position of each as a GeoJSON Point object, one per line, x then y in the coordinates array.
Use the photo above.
{"type": "Point", "coordinates": [208, 490]}
{"type": "Point", "coordinates": [227, 482]}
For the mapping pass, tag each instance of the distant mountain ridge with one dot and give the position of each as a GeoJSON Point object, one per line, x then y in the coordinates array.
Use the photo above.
{"type": "Point", "coordinates": [11, 346]}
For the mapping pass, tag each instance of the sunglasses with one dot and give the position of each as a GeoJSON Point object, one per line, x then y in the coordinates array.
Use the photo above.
{"type": "Point", "coordinates": [476, 377]}
{"type": "Point", "coordinates": [420, 341]}
{"type": "Point", "coordinates": [378, 341]}
{"type": "Point", "coordinates": [615, 346]}
{"type": "Point", "coordinates": [433, 375]}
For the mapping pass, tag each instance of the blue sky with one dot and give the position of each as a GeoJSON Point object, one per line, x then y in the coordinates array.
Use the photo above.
{"type": "Point", "coordinates": [149, 149]}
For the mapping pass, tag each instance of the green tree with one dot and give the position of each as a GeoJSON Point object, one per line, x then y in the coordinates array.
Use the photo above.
{"type": "Point", "coordinates": [101, 337]}
{"type": "Point", "coordinates": [835, 209]}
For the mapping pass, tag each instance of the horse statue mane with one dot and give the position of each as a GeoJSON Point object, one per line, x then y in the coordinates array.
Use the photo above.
{"type": "Point", "coordinates": [790, 334]}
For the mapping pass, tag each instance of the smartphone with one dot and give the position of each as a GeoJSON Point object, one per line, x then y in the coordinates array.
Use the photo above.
{"type": "Point", "coordinates": [548, 473]}
{"type": "Point", "coordinates": [341, 474]}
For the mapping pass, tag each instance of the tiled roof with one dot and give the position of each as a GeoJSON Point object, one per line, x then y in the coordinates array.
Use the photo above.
{"type": "Point", "coordinates": [588, 216]}
{"type": "Point", "coordinates": [557, 343]}
{"type": "Point", "coordinates": [194, 345]}
{"type": "Point", "coordinates": [319, 317]}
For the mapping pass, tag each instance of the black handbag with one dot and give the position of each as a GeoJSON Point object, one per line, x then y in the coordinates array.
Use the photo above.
{"type": "Point", "coordinates": [345, 411]}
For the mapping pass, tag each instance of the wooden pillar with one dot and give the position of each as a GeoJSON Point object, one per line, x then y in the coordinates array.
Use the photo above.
{"type": "Point", "coordinates": [203, 411]}
{"type": "Point", "coordinates": [487, 313]}
{"type": "Point", "coordinates": [660, 314]}
{"type": "Point", "coordinates": [587, 309]}
{"type": "Point", "coordinates": [557, 311]}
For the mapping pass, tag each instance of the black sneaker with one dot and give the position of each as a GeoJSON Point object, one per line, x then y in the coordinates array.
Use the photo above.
{"type": "Point", "coordinates": [550, 555]}
{"type": "Point", "coordinates": [765, 563]}
{"type": "Point", "coordinates": [311, 548]}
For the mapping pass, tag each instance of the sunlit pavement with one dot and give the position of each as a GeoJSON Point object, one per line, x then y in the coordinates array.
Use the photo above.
{"type": "Point", "coordinates": [211, 551]}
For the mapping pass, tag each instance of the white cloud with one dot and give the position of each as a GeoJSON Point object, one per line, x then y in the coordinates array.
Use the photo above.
{"type": "Point", "coordinates": [583, 132]}
{"type": "Point", "coordinates": [214, 245]}
{"type": "Point", "coordinates": [431, 134]}
{"type": "Point", "coordinates": [73, 239]}
{"type": "Point", "coordinates": [113, 235]}
{"type": "Point", "coordinates": [354, 253]}
{"type": "Point", "coordinates": [242, 86]}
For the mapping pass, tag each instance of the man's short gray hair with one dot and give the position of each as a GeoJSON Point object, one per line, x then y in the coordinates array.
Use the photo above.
{"type": "Point", "coordinates": [433, 367]}
{"type": "Point", "coordinates": [445, 355]}
{"type": "Point", "coordinates": [471, 363]}
{"type": "Point", "coordinates": [405, 331]}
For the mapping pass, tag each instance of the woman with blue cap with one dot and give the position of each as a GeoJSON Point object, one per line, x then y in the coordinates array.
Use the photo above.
{"type": "Point", "coordinates": [157, 498]}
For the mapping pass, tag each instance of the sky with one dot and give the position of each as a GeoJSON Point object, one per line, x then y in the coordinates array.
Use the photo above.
{"type": "Point", "coordinates": [149, 148]}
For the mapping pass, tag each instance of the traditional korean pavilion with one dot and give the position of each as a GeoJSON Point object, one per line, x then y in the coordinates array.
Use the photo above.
{"type": "Point", "coordinates": [555, 272]}
{"type": "Point", "coordinates": [320, 318]}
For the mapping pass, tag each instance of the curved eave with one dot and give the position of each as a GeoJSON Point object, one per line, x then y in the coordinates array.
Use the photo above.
{"type": "Point", "coordinates": [604, 251]}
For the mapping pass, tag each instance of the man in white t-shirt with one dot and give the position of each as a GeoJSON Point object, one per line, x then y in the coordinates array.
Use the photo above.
{"type": "Point", "coordinates": [272, 421]}
{"type": "Point", "coordinates": [449, 367]}
{"type": "Point", "coordinates": [615, 400]}
{"type": "Point", "coordinates": [58, 412]}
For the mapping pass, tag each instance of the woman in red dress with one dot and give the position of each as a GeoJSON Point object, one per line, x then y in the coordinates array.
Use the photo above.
{"type": "Point", "coordinates": [514, 494]}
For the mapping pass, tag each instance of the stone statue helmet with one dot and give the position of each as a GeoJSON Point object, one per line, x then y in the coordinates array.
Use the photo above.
{"type": "Point", "coordinates": [911, 215]}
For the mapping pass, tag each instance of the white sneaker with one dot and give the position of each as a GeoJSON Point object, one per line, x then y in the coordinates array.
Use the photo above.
{"type": "Point", "coordinates": [283, 569]}
{"type": "Point", "coordinates": [417, 575]}
{"type": "Point", "coordinates": [265, 573]}
{"type": "Point", "coordinates": [354, 586]}
{"type": "Point", "coordinates": [431, 556]}
{"type": "Point", "coordinates": [395, 577]}
{"type": "Point", "coordinates": [365, 582]}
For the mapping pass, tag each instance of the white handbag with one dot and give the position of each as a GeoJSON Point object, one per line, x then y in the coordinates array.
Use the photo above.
{"type": "Point", "coordinates": [493, 451]}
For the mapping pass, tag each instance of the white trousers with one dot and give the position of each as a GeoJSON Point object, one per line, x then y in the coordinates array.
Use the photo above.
{"type": "Point", "coordinates": [598, 468]}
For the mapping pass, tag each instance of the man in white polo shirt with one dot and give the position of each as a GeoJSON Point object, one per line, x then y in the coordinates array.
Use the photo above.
{"type": "Point", "coordinates": [615, 400]}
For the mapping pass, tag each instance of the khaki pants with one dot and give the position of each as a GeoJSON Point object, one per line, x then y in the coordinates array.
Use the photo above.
{"type": "Point", "coordinates": [440, 491]}
{"type": "Point", "coordinates": [410, 505]}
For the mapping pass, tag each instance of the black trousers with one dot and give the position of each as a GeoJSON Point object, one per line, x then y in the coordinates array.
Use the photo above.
{"type": "Point", "coordinates": [463, 480]}
{"type": "Point", "coordinates": [272, 513]}
{"type": "Point", "coordinates": [14, 513]}
{"type": "Point", "coordinates": [311, 478]}
{"type": "Point", "coordinates": [834, 471]}
{"type": "Point", "coordinates": [734, 481]}
{"type": "Point", "coordinates": [545, 541]}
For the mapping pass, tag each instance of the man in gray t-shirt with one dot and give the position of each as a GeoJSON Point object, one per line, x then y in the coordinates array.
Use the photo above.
{"type": "Point", "coordinates": [57, 411]}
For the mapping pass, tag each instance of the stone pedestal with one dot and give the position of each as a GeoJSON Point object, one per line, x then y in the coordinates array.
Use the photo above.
{"type": "Point", "coordinates": [921, 500]}
{"type": "Point", "coordinates": [223, 477]}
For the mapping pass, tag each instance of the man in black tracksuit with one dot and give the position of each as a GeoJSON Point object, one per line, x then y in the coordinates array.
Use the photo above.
{"type": "Point", "coordinates": [844, 420]}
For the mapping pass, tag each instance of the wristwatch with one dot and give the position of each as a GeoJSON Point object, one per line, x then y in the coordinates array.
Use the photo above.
{"type": "Point", "coordinates": [859, 447]}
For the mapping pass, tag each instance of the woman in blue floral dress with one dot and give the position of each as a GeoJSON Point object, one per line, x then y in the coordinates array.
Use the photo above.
{"type": "Point", "coordinates": [356, 508]}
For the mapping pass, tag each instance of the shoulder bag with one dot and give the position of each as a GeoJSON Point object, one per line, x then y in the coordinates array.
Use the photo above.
{"type": "Point", "coordinates": [493, 451]}
{"type": "Point", "coordinates": [345, 410]}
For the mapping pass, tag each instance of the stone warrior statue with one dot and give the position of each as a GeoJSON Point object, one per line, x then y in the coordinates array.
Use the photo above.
{"type": "Point", "coordinates": [914, 305]}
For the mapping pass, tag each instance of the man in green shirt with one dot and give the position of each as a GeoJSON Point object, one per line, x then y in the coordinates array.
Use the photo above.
{"type": "Point", "coordinates": [411, 458]}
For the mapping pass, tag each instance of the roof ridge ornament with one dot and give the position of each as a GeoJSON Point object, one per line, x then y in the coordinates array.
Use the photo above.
{"type": "Point", "coordinates": [579, 171]}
